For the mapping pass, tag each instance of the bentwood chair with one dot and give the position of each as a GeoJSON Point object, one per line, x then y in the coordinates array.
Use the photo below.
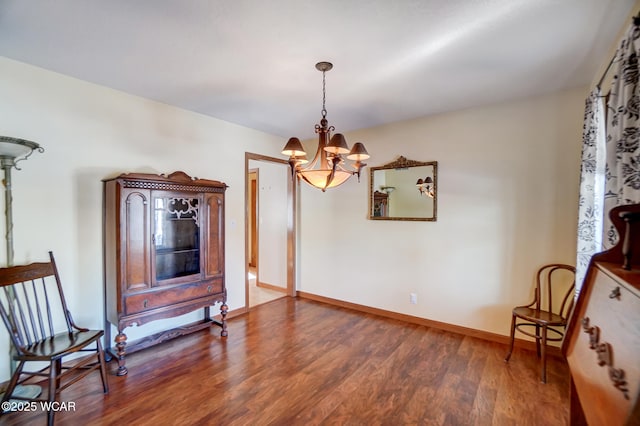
{"type": "Point", "coordinates": [34, 310]}
{"type": "Point", "coordinates": [545, 319]}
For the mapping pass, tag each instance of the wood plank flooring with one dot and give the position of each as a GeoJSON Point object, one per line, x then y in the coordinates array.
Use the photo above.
{"type": "Point", "coordinates": [301, 362]}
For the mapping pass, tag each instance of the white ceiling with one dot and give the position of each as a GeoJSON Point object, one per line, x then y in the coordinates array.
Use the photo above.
{"type": "Point", "coordinates": [252, 62]}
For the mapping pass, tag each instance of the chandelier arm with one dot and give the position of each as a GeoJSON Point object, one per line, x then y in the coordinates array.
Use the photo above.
{"type": "Point", "coordinates": [331, 176]}
{"type": "Point", "coordinates": [339, 167]}
{"type": "Point", "coordinates": [310, 166]}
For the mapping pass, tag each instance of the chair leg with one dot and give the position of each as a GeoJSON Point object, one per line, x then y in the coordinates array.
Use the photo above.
{"type": "Point", "coordinates": [543, 375]}
{"type": "Point", "coordinates": [538, 340]}
{"type": "Point", "coordinates": [103, 368]}
{"type": "Point", "coordinates": [12, 384]}
{"type": "Point", "coordinates": [58, 373]}
{"type": "Point", "coordinates": [513, 334]}
{"type": "Point", "coordinates": [54, 383]}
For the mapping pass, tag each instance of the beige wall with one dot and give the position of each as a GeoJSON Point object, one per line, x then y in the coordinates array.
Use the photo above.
{"type": "Point", "coordinates": [507, 203]}
{"type": "Point", "coordinates": [90, 133]}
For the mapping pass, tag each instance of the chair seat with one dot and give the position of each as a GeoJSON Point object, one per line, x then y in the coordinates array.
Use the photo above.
{"type": "Point", "coordinates": [538, 316]}
{"type": "Point", "coordinates": [59, 345]}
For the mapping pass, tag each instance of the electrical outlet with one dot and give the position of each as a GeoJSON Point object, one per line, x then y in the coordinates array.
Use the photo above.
{"type": "Point", "coordinates": [413, 298]}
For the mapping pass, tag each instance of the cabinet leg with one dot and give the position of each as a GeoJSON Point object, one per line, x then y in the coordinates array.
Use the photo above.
{"type": "Point", "coordinates": [121, 342]}
{"type": "Point", "coordinates": [223, 313]}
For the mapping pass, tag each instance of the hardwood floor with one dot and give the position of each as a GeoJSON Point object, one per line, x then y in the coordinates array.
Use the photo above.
{"type": "Point", "coordinates": [301, 362]}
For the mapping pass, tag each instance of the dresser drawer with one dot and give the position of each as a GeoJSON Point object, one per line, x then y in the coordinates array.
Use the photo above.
{"type": "Point", "coordinates": [603, 353]}
{"type": "Point", "coordinates": [160, 298]}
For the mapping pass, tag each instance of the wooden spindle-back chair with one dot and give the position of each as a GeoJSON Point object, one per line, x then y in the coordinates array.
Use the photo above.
{"type": "Point", "coordinates": [34, 311]}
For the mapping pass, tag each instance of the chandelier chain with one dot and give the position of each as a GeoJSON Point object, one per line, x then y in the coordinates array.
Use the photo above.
{"type": "Point", "coordinates": [324, 96]}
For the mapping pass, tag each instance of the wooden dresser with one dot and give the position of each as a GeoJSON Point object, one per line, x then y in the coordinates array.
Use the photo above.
{"type": "Point", "coordinates": [602, 343]}
{"type": "Point", "coordinates": [163, 255]}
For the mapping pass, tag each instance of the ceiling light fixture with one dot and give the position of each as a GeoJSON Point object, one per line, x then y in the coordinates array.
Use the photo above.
{"type": "Point", "coordinates": [426, 187]}
{"type": "Point", "coordinates": [326, 170]}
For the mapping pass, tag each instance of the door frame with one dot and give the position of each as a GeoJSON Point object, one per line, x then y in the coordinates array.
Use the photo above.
{"type": "Point", "coordinates": [292, 209]}
{"type": "Point", "coordinates": [253, 230]}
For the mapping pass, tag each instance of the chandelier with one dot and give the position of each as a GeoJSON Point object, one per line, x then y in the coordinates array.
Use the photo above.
{"type": "Point", "coordinates": [426, 187]}
{"type": "Point", "coordinates": [327, 170]}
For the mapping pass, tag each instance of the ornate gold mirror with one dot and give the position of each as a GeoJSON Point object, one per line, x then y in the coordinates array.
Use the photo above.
{"type": "Point", "coordinates": [404, 190]}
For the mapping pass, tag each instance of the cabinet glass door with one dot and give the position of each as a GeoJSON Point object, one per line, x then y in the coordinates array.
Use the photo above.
{"type": "Point", "coordinates": [176, 236]}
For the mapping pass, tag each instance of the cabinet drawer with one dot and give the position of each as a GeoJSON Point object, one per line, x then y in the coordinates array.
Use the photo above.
{"type": "Point", "coordinates": [613, 313]}
{"type": "Point", "coordinates": [165, 297]}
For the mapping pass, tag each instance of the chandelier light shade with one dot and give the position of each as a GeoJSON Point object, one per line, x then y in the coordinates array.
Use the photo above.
{"type": "Point", "coordinates": [327, 169]}
{"type": "Point", "coordinates": [293, 148]}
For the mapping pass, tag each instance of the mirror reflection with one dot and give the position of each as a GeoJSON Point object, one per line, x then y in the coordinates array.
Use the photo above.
{"type": "Point", "coordinates": [403, 190]}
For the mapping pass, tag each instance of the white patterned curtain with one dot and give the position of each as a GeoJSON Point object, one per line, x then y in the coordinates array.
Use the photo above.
{"type": "Point", "coordinates": [623, 133]}
{"type": "Point", "coordinates": [591, 184]}
{"type": "Point", "coordinates": [610, 172]}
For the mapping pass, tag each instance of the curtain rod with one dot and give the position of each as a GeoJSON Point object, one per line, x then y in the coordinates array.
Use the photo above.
{"type": "Point", "coordinates": [606, 71]}
{"type": "Point", "coordinates": [636, 22]}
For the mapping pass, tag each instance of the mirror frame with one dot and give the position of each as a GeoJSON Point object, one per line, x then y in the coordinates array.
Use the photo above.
{"type": "Point", "coordinates": [404, 163]}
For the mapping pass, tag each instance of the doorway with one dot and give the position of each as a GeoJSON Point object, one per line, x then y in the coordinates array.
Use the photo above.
{"type": "Point", "coordinates": [269, 230]}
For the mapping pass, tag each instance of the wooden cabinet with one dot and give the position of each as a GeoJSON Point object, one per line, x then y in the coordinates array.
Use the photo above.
{"type": "Point", "coordinates": [380, 204]}
{"type": "Point", "coordinates": [602, 344]}
{"type": "Point", "coordinates": [163, 254]}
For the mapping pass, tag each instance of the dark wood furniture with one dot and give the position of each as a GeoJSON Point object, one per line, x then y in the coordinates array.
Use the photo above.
{"type": "Point", "coordinates": [33, 308]}
{"type": "Point", "coordinates": [542, 316]}
{"type": "Point", "coordinates": [380, 204]}
{"type": "Point", "coordinates": [602, 343]}
{"type": "Point", "coordinates": [163, 255]}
